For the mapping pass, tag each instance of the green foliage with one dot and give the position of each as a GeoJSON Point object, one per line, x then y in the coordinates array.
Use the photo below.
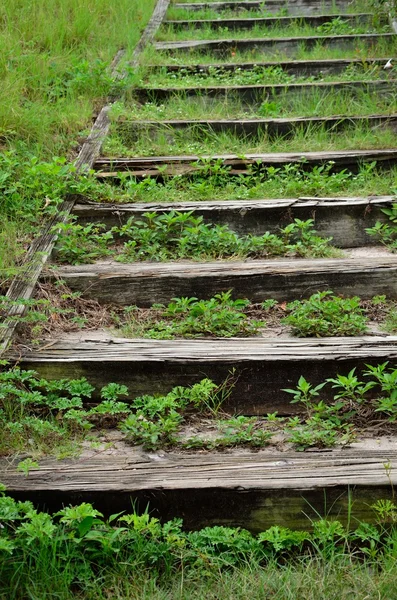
{"type": "Point", "coordinates": [189, 317]}
{"type": "Point", "coordinates": [176, 235]}
{"type": "Point", "coordinates": [386, 233]}
{"type": "Point", "coordinates": [156, 420]}
{"type": "Point", "coordinates": [329, 423]}
{"type": "Point", "coordinates": [324, 314]}
{"type": "Point", "coordinates": [235, 431]}
{"type": "Point", "coordinates": [66, 551]}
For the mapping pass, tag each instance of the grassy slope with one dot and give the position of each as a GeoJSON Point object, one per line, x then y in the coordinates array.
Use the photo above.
{"type": "Point", "coordinates": [54, 56]}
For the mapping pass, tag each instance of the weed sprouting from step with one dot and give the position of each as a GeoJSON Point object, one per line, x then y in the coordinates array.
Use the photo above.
{"type": "Point", "coordinates": [386, 233]}
{"type": "Point", "coordinates": [325, 314]}
{"type": "Point", "coordinates": [176, 235]}
{"type": "Point", "coordinates": [221, 316]}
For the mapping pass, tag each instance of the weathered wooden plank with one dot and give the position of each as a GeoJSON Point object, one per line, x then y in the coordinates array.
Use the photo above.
{"type": "Point", "coordinates": [284, 45]}
{"type": "Point", "coordinates": [144, 284]}
{"type": "Point", "coordinates": [297, 68]}
{"type": "Point", "coordinates": [250, 23]}
{"type": "Point", "coordinates": [343, 219]}
{"type": "Point", "coordinates": [130, 130]}
{"type": "Point", "coordinates": [257, 93]}
{"type": "Point", "coordinates": [254, 491]}
{"type": "Point", "coordinates": [23, 284]}
{"type": "Point", "coordinates": [184, 165]}
{"type": "Point", "coordinates": [293, 7]}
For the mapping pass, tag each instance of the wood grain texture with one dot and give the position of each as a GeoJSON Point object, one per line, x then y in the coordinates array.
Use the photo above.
{"type": "Point", "coordinates": [257, 93]}
{"type": "Point", "coordinates": [285, 45]}
{"type": "Point", "coordinates": [251, 490]}
{"type": "Point", "coordinates": [131, 130]}
{"type": "Point", "coordinates": [144, 284]}
{"type": "Point", "coordinates": [262, 366]}
{"type": "Point", "coordinates": [23, 284]}
{"type": "Point", "coordinates": [343, 219]}
{"type": "Point", "coordinates": [250, 23]}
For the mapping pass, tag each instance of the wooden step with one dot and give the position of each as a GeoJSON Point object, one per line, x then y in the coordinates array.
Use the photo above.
{"type": "Point", "coordinates": [158, 166]}
{"type": "Point", "coordinates": [250, 23]}
{"type": "Point", "coordinates": [261, 367]}
{"type": "Point", "coordinates": [296, 68]}
{"type": "Point", "coordinates": [293, 7]}
{"type": "Point", "coordinates": [144, 284]}
{"type": "Point", "coordinates": [250, 490]}
{"type": "Point", "coordinates": [257, 93]}
{"type": "Point", "coordinates": [343, 219]}
{"type": "Point", "coordinates": [130, 130]}
{"type": "Point", "coordinates": [287, 45]}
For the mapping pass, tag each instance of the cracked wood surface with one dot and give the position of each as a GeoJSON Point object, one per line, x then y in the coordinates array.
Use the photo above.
{"type": "Point", "coordinates": [184, 165]}
{"type": "Point", "coordinates": [295, 7]}
{"type": "Point", "coordinates": [250, 490]}
{"type": "Point", "coordinates": [144, 284]}
{"type": "Point", "coordinates": [291, 67]}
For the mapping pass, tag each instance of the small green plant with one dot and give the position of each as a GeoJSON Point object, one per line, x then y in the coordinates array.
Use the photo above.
{"type": "Point", "coordinates": [26, 465]}
{"type": "Point", "coordinates": [189, 317]}
{"type": "Point", "coordinates": [325, 314]}
{"type": "Point", "coordinates": [386, 233]}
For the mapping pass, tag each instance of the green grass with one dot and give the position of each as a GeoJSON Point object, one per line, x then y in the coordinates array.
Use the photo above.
{"type": "Point", "coordinates": [382, 48]}
{"type": "Point", "coordinates": [317, 103]}
{"type": "Point", "coordinates": [196, 140]}
{"type": "Point", "coordinates": [54, 65]}
{"type": "Point", "coordinates": [293, 30]}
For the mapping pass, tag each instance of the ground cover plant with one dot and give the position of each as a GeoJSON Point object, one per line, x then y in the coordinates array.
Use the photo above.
{"type": "Point", "coordinates": [380, 48]}
{"type": "Point", "coordinates": [177, 235]}
{"type": "Point", "coordinates": [53, 418]}
{"type": "Point", "coordinates": [77, 552]}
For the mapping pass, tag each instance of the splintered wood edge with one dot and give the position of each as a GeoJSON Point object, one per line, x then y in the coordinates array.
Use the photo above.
{"type": "Point", "coordinates": [23, 284]}
{"type": "Point", "coordinates": [217, 350]}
